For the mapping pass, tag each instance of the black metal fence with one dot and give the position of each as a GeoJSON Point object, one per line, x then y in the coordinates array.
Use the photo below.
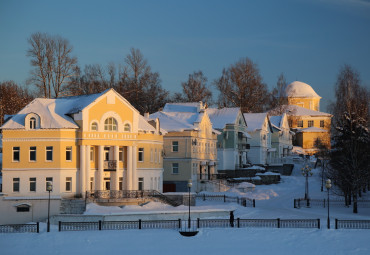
{"type": "Point", "coordinates": [301, 202]}
{"type": "Point", "coordinates": [352, 224]}
{"type": "Point", "coordinates": [244, 201]}
{"type": "Point", "coordinates": [194, 224]}
{"type": "Point", "coordinates": [20, 228]}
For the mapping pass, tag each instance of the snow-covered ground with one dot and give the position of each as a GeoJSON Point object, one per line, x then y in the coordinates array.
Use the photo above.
{"type": "Point", "coordinates": [272, 201]}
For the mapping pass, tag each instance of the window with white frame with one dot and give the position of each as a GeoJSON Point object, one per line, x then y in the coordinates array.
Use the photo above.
{"type": "Point", "coordinates": [16, 154]}
{"type": "Point", "coordinates": [69, 153]}
{"type": "Point", "coordinates": [16, 184]}
{"type": "Point", "coordinates": [155, 155]}
{"type": "Point", "coordinates": [32, 123]}
{"type": "Point", "coordinates": [322, 123]}
{"type": "Point", "coordinates": [175, 146]}
{"type": "Point", "coordinates": [175, 168]}
{"type": "Point", "coordinates": [300, 123]}
{"type": "Point", "coordinates": [49, 153]}
{"type": "Point", "coordinates": [141, 155]}
{"type": "Point", "coordinates": [110, 124]}
{"type": "Point", "coordinates": [151, 154]}
{"type": "Point", "coordinates": [48, 180]}
{"type": "Point", "coordinates": [92, 153]}
{"type": "Point", "coordinates": [33, 184]}
{"type": "Point", "coordinates": [120, 154]}
{"type": "Point", "coordinates": [120, 183]}
{"type": "Point", "coordinates": [310, 123]}
{"type": "Point", "coordinates": [33, 153]}
{"type": "Point", "coordinates": [127, 127]}
{"type": "Point", "coordinates": [68, 183]}
{"type": "Point", "coordinates": [94, 126]}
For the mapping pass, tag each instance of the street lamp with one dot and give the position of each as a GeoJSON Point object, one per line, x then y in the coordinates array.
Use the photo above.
{"type": "Point", "coordinates": [306, 172]}
{"type": "Point", "coordinates": [190, 184]}
{"type": "Point", "coordinates": [328, 186]}
{"type": "Point", "coordinates": [49, 188]}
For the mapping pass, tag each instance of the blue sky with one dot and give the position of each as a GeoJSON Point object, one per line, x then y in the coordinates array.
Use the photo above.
{"type": "Point", "coordinates": [306, 40]}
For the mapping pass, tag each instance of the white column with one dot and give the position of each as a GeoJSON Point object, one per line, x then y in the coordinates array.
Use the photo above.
{"type": "Point", "coordinates": [100, 175]}
{"type": "Point", "coordinates": [87, 157]}
{"type": "Point", "coordinates": [115, 174]}
{"type": "Point", "coordinates": [82, 170]}
{"type": "Point", "coordinates": [129, 168]}
{"type": "Point", "coordinates": [134, 168]}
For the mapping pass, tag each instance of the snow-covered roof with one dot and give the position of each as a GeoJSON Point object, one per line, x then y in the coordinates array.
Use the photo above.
{"type": "Point", "coordinates": [276, 121]}
{"type": "Point", "coordinates": [176, 121]}
{"type": "Point", "coordinates": [221, 117]}
{"type": "Point", "coordinates": [255, 121]}
{"type": "Point", "coordinates": [295, 110]}
{"type": "Point", "coordinates": [193, 107]}
{"type": "Point", "coordinates": [54, 113]}
{"type": "Point", "coordinates": [300, 89]}
{"type": "Point", "coordinates": [312, 129]}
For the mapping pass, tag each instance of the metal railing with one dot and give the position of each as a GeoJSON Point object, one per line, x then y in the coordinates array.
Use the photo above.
{"type": "Point", "coordinates": [110, 165]}
{"type": "Point", "coordinates": [20, 228]}
{"type": "Point", "coordinates": [352, 224]}
{"type": "Point", "coordinates": [194, 224]}
{"type": "Point", "coordinates": [312, 202]}
{"type": "Point", "coordinates": [244, 201]}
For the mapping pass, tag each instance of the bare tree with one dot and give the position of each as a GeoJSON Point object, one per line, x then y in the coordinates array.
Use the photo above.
{"type": "Point", "coordinates": [279, 100]}
{"type": "Point", "coordinates": [350, 157]}
{"type": "Point", "coordinates": [12, 99]}
{"type": "Point", "coordinates": [195, 89]}
{"type": "Point", "coordinates": [139, 85]}
{"type": "Point", "coordinates": [52, 62]}
{"type": "Point", "coordinates": [241, 86]}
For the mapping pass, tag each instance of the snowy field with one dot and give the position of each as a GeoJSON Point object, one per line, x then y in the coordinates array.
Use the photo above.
{"type": "Point", "coordinates": [272, 201]}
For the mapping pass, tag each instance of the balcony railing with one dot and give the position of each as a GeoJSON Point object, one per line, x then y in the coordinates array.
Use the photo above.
{"type": "Point", "coordinates": [110, 165]}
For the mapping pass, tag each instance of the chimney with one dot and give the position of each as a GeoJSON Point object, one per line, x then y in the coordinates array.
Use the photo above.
{"type": "Point", "coordinates": [146, 115]}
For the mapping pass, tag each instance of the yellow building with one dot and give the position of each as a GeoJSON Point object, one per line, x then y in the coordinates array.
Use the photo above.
{"type": "Point", "coordinates": [305, 118]}
{"type": "Point", "coordinates": [190, 146]}
{"type": "Point", "coordinates": [93, 144]}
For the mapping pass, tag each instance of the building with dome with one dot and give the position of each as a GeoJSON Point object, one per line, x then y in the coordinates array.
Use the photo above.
{"type": "Point", "coordinates": [305, 118]}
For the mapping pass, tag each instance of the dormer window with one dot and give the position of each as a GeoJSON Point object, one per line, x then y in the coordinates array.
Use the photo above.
{"type": "Point", "coordinates": [94, 126]}
{"type": "Point", "coordinates": [33, 123]}
{"type": "Point", "coordinates": [110, 124]}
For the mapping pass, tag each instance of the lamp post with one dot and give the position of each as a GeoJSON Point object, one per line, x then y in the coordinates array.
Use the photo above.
{"type": "Point", "coordinates": [49, 188]}
{"type": "Point", "coordinates": [190, 184]}
{"type": "Point", "coordinates": [328, 186]}
{"type": "Point", "coordinates": [306, 172]}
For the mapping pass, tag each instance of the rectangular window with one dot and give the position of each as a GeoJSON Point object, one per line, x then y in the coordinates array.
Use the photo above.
{"type": "Point", "coordinates": [322, 124]}
{"type": "Point", "coordinates": [16, 154]}
{"type": "Point", "coordinates": [33, 184]}
{"type": "Point", "coordinates": [91, 153]}
{"type": "Point", "coordinates": [155, 155]}
{"type": "Point", "coordinates": [33, 153]}
{"type": "Point", "coordinates": [151, 154]}
{"type": "Point", "coordinates": [300, 123]}
{"type": "Point", "coordinates": [50, 180]}
{"type": "Point", "coordinates": [49, 153]}
{"type": "Point", "coordinates": [175, 168]}
{"type": "Point", "coordinates": [141, 155]}
{"type": "Point", "coordinates": [120, 182]}
{"type": "Point", "coordinates": [175, 146]}
{"type": "Point", "coordinates": [120, 154]}
{"type": "Point", "coordinates": [91, 183]}
{"type": "Point", "coordinates": [69, 153]}
{"type": "Point", "coordinates": [68, 183]}
{"type": "Point", "coordinates": [141, 183]}
{"type": "Point", "coordinates": [310, 123]}
{"type": "Point", "coordinates": [15, 184]}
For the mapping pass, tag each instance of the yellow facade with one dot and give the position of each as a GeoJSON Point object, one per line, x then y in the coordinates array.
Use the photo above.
{"type": "Point", "coordinates": [84, 158]}
{"type": "Point", "coordinates": [308, 103]}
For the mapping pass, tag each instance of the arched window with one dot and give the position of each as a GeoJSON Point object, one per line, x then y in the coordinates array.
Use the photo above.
{"type": "Point", "coordinates": [33, 123]}
{"type": "Point", "coordinates": [127, 127]}
{"type": "Point", "coordinates": [94, 126]}
{"type": "Point", "coordinates": [110, 124]}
